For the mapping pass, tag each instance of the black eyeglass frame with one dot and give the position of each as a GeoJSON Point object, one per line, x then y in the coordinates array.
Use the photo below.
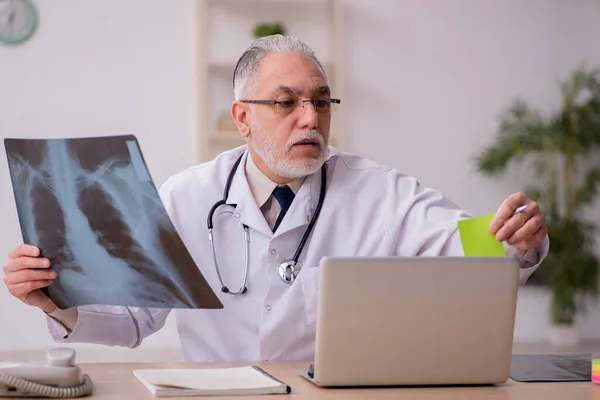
{"type": "Point", "coordinates": [277, 102]}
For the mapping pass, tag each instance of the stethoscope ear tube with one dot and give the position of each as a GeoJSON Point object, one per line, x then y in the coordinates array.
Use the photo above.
{"type": "Point", "coordinates": [313, 221]}
{"type": "Point", "coordinates": [224, 288]}
{"type": "Point", "coordinates": [209, 222]}
{"type": "Point", "coordinates": [289, 269]}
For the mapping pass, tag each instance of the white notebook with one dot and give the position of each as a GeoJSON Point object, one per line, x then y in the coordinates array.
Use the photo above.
{"type": "Point", "coordinates": [210, 382]}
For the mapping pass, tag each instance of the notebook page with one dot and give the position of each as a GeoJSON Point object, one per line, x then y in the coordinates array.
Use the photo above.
{"type": "Point", "coordinates": [208, 379]}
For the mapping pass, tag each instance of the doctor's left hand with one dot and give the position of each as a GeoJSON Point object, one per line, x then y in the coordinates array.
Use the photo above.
{"type": "Point", "coordinates": [525, 230]}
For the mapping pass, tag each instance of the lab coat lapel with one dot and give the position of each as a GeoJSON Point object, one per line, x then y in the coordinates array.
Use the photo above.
{"type": "Point", "coordinates": [246, 210]}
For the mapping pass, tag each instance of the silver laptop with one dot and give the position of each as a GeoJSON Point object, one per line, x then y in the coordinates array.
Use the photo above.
{"type": "Point", "coordinates": [414, 321]}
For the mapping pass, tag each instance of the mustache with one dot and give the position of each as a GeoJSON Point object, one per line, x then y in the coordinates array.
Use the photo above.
{"type": "Point", "coordinates": [312, 135]}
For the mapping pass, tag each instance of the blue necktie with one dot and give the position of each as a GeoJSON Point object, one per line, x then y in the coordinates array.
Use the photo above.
{"type": "Point", "coordinates": [284, 196]}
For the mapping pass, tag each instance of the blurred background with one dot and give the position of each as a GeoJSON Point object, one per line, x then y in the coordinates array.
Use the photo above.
{"type": "Point", "coordinates": [475, 98]}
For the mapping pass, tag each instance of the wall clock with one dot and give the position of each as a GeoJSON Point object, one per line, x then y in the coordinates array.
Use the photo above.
{"type": "Point", "coordinates": [18, 20]}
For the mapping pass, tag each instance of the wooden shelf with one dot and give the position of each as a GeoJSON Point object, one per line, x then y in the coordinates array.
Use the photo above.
{"type": "Point", "coordinates": [275, 2]}
{"type": "Point", "coordinates": [224, 31]}
{"type": "Point", "coordinates": [222, 64]}
{"type": "Point", "coordinates": [230, 65]}
{"type": "Point", "coordinates": [226, 137]}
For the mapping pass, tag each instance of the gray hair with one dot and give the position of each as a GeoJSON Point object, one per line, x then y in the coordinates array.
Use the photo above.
{"type": "Point", "coordinates": [247, 66]}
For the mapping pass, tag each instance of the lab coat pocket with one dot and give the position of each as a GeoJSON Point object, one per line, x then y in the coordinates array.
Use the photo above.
{"type": "Point", "coordinates": [310, 290]}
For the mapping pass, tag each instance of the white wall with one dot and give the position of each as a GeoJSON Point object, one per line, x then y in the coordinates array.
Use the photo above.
{"type": "Point", "coordinates": [98, 67]}
{"type": "Point", "coordinates": [426, 81]}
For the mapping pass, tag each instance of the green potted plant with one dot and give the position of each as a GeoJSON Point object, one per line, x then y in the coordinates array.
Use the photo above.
{"type": "Point", "coordinates": [268, 29]}
{"type": "Point", "coordinates": [565, 148]}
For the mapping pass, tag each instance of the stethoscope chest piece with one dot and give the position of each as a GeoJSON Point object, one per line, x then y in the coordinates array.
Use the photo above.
{"type": "Point", "coordinates": [289, 269]}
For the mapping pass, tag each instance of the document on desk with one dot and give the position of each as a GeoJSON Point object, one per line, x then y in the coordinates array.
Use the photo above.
{"type": "Point", "coordinates": [248, 380]}
{"type": "Point", "coordinates": [91, 207]}
{"type": "Point", "coordinates": [476, 238]}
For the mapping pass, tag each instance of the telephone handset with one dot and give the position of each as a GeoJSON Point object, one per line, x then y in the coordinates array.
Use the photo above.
{"type": "Point", "coordinates": [57, 377]}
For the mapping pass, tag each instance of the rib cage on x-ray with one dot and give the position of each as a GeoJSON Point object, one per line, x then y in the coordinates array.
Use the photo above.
{"type": "Point", "coordinates": [90, 205]}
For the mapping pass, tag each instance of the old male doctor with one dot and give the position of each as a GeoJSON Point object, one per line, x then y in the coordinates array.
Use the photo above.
{"type": "Point", "coordinates": [283, 108]}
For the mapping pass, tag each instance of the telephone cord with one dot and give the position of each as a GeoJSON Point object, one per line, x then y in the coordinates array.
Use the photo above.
{"type": "Point", "coordinates": [25, 386]}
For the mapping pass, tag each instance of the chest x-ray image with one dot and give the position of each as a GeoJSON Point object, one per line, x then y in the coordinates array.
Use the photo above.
{"type": "Point", "coordinates": [92, 208]}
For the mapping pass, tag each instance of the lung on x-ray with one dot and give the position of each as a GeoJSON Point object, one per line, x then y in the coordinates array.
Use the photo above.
{"type": "Point", "coordinates": [92, 208]}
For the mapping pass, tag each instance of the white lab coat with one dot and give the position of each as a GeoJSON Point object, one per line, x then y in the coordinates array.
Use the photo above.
{"type": "Point", "coordinates": [369, 210]}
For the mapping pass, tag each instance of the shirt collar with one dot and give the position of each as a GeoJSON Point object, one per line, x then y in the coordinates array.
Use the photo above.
{"type": "Point", "coordinates": [262, 186]}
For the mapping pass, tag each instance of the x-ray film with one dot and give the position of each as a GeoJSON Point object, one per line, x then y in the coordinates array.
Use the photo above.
{"type": "Point", "coordinates": [92, 208]}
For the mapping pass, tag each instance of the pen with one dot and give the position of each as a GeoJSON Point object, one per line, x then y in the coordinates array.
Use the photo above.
{"type": "Point", "coordinates": [519, 209]}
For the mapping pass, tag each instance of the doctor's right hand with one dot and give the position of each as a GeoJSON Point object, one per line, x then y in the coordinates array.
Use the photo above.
{"type": "Point", "coordinates": [26, 273]}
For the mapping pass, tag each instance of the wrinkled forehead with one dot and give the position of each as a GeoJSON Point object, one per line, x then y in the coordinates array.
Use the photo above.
{"type": "Point", "coordinates": [294, 74]}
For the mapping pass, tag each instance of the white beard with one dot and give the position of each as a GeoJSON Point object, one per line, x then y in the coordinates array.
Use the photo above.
{"type": "Point", "coordinates": [278, 161]}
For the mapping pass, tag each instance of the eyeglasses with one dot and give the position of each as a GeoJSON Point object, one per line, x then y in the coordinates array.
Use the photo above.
{"type": "Point", "coordinates": [324, 105]}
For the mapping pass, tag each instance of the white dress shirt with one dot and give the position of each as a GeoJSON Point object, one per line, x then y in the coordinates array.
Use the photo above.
{"type": "Point", "coordinates": [262, 190]}
{"type": "Point", "coordinates": [369, 210]}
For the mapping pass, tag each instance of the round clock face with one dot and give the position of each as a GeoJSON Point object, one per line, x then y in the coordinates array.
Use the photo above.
{"type": "Point", "coordinates": [18, 20]}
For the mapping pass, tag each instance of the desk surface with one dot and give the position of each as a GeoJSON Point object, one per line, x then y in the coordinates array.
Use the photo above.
{"type": "Point", "coordinates": [116, 381]}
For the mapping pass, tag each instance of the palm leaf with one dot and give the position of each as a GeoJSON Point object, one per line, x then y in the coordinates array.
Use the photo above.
{"type": "Point", "coordinates": [522, 132]}
{"type": "Point", "coordinates": [580, 117]}
{"type": "Point", "coordinates": [588, 191]}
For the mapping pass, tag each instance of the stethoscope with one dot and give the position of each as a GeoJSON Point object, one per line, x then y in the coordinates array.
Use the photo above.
{"type": "Point", "coordinates": [289, 268]}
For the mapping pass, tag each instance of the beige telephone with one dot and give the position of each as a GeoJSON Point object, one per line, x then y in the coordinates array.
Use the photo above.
{"type": "Point", "coordinates": [57, 377]}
